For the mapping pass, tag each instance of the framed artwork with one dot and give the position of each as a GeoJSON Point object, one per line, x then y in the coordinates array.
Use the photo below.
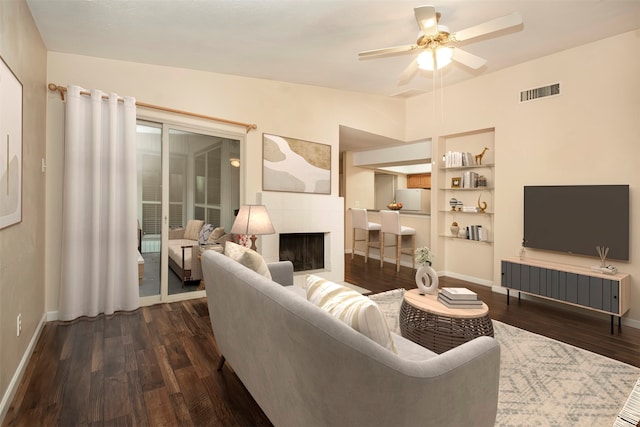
{"type": "Point", "coordinates": [10, 147]}
{"type": "Point", "coordinates": [456, 182]}
{"type": "Point", "coordinates": [294, 165]}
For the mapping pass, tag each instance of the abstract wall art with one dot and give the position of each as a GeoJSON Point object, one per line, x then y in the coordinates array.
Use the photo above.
{"type": "Point", "coordinates": [10, 147]}
{"type": "Point", "coordinates": [294, 165]}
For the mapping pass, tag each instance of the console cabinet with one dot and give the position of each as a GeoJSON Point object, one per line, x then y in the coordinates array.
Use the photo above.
{"type": "Point", "coordinates": [569, 284]}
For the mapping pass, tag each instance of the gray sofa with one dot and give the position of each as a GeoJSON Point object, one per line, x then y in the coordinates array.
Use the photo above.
{"type": "Point", "coordinates": [306, 368]}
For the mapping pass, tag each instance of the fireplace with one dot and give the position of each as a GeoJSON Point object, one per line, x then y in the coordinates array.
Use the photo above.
{"type": "Point", "coordinates": [304, 250]}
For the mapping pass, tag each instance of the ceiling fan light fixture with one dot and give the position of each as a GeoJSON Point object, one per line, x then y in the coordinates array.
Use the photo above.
{"type": "Point", "coordinates": [443, 58]}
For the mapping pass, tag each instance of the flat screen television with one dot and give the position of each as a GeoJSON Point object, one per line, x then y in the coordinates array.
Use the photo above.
{"type": "Point", "coordinates": [575, 219]}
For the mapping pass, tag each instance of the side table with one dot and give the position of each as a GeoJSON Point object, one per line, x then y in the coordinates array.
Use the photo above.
{"type": "Point", "coordinates": [426, 321]}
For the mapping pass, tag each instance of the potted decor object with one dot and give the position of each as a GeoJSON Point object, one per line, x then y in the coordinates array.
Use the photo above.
{"type": "Point", "coordinates": [454, 229]}
{"type": "Point", "coordinates": [426, 277]}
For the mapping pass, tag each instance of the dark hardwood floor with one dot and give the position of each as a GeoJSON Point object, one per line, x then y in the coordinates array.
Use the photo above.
{"type": "Point", "coordinates": [157, 365]}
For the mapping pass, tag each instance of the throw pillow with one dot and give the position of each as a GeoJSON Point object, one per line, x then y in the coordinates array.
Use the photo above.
{"type": "Point", "coordinates": [205, 232]}
{"type": "Point", "coordinates": [349, 306]}
{"type": "Point", "coordinates": [192, 230]}
{"type": "Point", "coordinates": [217, 233]}
{"type": "Point", "coordinates": [247, 257]}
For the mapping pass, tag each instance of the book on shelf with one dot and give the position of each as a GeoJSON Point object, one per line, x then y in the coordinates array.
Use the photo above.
{"type": "Point", "coordinates": [459, 293]}
{"type": "Point", "coordinates": [470, 179]}
{"type": "Point", "coordinates": [453, 159]}
{"type": "Point", "coordinates": [459, 303]}
{"type": "Point", "coordinates": [473, 232]}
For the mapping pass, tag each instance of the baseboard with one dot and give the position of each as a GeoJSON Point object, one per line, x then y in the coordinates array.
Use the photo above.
{"type": "Point", "coordinates": [471, 279]}
{"type": "Point", "coordinates": [22, 366]}
{"type": "Point", "coordinates": [52, 316]}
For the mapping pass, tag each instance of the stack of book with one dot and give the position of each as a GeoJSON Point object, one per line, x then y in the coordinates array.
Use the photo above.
{"type": "Point", "coordinates": [470, 179]}
{"type": "Point", "coordinates": [457, 159]}
{"type": "Point", "coordinates": [459, 298]}
{"type": "Point", "coordinates": [477, 232]}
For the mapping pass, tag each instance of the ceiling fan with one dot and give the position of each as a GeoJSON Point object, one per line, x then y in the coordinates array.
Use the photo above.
{"type": "Point", "coordinates": [436, 45]}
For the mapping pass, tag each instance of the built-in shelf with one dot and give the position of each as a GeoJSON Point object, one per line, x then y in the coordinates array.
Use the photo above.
{"type": "Point", "coordinates": [467, 189]}
{"type": "Point", "coordinates": [466, 213]}
{"type": "Point", "coordinates": [451, 168]}
{"type": "Point", "coordinates": [448, 236]}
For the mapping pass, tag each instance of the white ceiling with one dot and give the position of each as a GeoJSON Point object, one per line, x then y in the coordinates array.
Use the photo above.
{"type": "Point", "coordinates": [316, 42]}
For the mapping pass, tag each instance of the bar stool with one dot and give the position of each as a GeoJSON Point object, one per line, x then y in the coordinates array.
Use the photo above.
{"type": "Point", "coordinates": [360, 221]}
{"type": "Point", "coordinates": [391, 225]}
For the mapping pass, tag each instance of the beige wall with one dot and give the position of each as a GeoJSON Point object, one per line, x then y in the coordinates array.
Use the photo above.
{"type": "Point", "coordinates": [304, 112]}
{"type": "Point", "coordinates": [22, 245]}
{"type": "Point", "coordinates": [588, 135]}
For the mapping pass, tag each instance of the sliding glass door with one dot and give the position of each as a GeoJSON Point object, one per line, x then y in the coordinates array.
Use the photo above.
{"type": "Point", "coordinates": [186, 185]}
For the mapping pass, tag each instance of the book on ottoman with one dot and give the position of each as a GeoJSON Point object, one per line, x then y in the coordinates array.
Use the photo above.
{"type": "Point", "coordinates": [460, 294]}
{"type": "Point", "coordinates": [458, 303]}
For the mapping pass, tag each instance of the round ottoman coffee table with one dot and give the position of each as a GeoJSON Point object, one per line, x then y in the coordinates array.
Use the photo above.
{"type": "Point", "coordinates": [431, 324]}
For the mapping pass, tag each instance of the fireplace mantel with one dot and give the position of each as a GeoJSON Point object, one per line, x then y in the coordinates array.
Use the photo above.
{"type": "Point", "coordinates": [306, 213]}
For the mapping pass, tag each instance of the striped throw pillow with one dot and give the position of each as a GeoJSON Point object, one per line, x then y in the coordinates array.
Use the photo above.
{"type": "Point", "coordinates": [356, 310]}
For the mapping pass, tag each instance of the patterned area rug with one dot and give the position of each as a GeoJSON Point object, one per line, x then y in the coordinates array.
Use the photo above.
{"type": "Point", "coordinates": [544, 382]}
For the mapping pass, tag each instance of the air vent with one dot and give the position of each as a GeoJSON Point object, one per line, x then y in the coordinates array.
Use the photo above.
{"type": "Point", "coordinates": [540, 92]}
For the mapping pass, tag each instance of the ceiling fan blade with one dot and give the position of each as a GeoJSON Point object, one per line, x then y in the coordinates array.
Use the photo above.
{"type": "Point", "coordinates": [388, 50]}
{"type": "Point", "coordinates": [492, 26]}
{"type": "Point", "coordinates": [408, 72]}
{"type": "Point", "coordinates": [427, 20]}
{"type": "Point", "coordinates": [468, 59]}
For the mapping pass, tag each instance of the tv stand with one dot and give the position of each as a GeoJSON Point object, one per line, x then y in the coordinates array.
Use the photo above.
{"type": "Point", "coordinates": [569, 284]}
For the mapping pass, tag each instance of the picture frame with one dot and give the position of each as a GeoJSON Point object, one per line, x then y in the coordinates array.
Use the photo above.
{"type": "Point", "coordinates": [10, 147]}
{"type": "Point", "coordinates": [295, 166]}
{"type": "Point", "coordinates": [456, 182]}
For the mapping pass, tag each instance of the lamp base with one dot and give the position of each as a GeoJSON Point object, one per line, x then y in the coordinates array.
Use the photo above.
{"type": "Point", "coordinates": [253, 242]}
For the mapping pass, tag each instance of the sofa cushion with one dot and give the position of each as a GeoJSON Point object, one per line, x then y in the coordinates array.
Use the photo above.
{"type": "Point", "coordinates": [205, 233]}
{"type": "Point", "coordinates": [192, 230]}
{"type": "Point", "coordinates": [247, 257]}
{"type": "Point", "coordinates": [217, 233]}
{"type": "Point", "coordinates": [356, 310]}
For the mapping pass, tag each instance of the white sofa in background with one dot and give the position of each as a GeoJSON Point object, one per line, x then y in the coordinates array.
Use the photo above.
{"type": "Point", "coordinates": [184, 248]}
{"type": "Point", "coordinates": [305, 367]}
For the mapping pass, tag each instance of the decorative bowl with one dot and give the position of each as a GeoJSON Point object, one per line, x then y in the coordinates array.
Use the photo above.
{"type": "Point", "coordinates": [395, 206]}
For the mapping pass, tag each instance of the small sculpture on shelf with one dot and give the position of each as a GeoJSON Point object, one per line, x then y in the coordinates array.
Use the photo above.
{"type": "Point", "coordinates": [479, 157]}
{"type": "Point", "coordinates": [454, 229]}
{"type": "Point", "coordinates": [482, 206]}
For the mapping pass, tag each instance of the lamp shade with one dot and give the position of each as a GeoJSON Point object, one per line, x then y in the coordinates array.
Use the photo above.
{"type": "Point", "coordinates": [442, 55]}
{"type": "Point", "coordinates": [253, 219]}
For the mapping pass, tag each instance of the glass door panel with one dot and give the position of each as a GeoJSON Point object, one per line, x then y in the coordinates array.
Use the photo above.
{"type": "Point", "coordinates": [200, 185]}
{"type": "Point", "coordinates": [149, 182]}
{"type": "Point", "coordinates": [183, 175]}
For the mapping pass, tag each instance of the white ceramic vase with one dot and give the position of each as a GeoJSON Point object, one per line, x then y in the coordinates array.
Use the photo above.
{"type": "Point", "coordinates": [427, 280]}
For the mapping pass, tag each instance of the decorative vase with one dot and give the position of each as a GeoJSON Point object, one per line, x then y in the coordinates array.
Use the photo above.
{"type": "Point", "coordinates": [454, 230]}
{"type": "Point", "coordinates": [427, 280]}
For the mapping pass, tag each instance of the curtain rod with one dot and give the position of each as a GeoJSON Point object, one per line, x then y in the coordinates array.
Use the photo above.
{"type": "Point", "coordinates": [248, 126]}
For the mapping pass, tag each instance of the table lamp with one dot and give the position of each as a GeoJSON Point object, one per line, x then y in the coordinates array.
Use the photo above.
{"type": "Point", "coordinates": [253, 220]}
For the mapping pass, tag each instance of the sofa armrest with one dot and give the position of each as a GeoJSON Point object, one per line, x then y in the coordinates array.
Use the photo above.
{"type": "Point", "coordinates": [281, 272]}
{"type": "Point", "coordinates": [176, 233]}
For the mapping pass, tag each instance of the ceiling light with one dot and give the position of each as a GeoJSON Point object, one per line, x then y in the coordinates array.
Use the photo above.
{"type": "Point", "coordinates": [235, 162]}
{"type": "Point", "coordinates": [442, 55]}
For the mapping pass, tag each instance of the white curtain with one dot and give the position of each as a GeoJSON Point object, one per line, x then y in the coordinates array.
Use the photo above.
{"type": "Point", "coordinates": [99, 271]}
